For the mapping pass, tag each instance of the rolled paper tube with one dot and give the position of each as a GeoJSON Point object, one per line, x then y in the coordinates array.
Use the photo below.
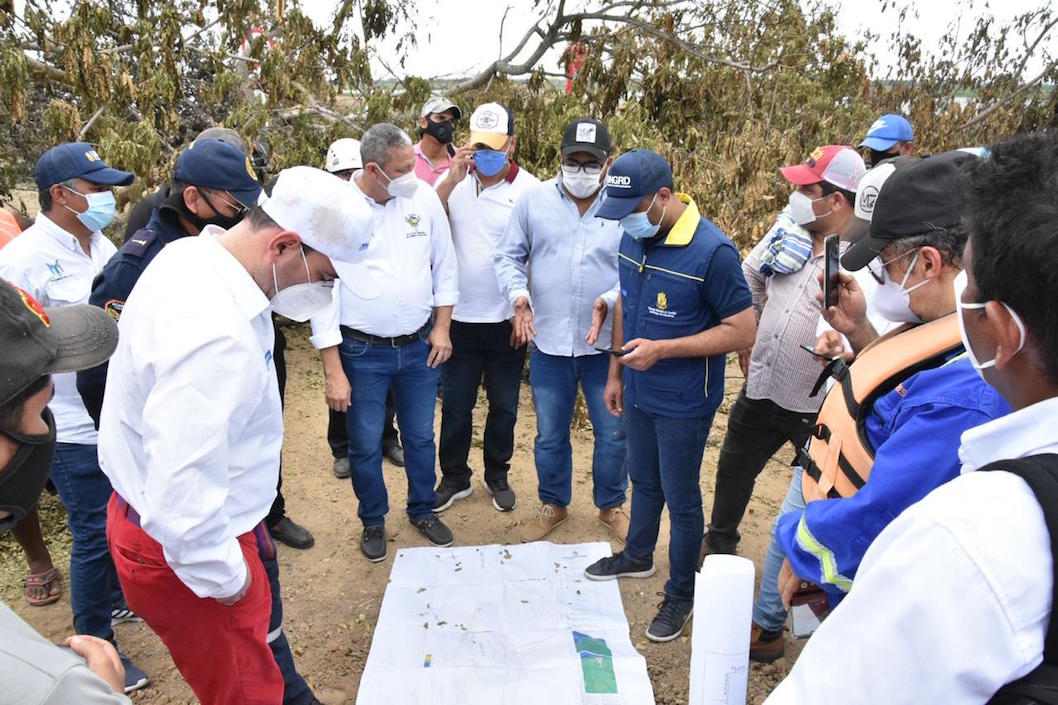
{"type": "Point", "coordinates": [723, 614]}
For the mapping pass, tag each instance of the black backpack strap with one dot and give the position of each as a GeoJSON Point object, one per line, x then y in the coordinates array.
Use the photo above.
{"type": "Point", "coordinates": [1040, 473]}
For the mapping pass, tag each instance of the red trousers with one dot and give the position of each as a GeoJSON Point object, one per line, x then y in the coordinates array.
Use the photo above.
{"type": "Point", "coordinates": [221, 651]}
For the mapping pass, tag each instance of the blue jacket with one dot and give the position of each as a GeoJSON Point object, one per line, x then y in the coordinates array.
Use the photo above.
{"type": "Point", "coordinates": [675, 286]}
{"type": "Point", "coordinates": [915, 431]}
{"type": "Point", "coordinates": [113, 285]}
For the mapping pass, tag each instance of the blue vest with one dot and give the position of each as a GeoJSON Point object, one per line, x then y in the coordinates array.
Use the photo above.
{"type": "Point", "coordinates": [663, 296]}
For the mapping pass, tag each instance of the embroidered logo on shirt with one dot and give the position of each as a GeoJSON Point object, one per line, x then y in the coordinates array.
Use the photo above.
{"type": "Point", "coordinates": [661, 307]}
{"type": "Point", "coordinates": [663, 300]}
{"type": "Point", "coordinates": [413, 219]}
{"type": "Point", "coordinates": [34, 306]}
{"type": "Point", "coordinates": [56, 269]}
{"type": "Point", "coordinates": [114, 308]}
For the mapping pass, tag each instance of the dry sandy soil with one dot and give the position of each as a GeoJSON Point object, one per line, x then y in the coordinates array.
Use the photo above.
{"type": "Point", "coordinates": [332, 595]}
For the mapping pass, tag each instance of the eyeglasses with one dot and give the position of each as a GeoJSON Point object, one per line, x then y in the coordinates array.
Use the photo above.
{"type": "Point", "coordinates": [877, 267]}
{"type": "Point", "coordinates": [236, 207]}
{"type": "Point", "coordinates": [591, 168]}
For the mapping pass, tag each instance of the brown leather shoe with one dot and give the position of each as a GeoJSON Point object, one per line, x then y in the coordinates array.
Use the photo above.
{"type": "Point", "coordinates": [616, 521]}
{"type": "Point", "coordinates": [765, 646]}
{"type": "Point", "coordinates": [547, 518]}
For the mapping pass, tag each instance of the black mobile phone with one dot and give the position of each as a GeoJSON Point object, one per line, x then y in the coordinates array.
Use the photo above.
{"type": "Point", "coordinates": [822, 356]}
{"type": "Point", "coordinates": [451, 149]}
{"type": "Point", "coordinates": [613, 351]}
{"type": "Point", "coordinates": [831, 281]}
{"type": "Point", "coordinates": [808, 608]}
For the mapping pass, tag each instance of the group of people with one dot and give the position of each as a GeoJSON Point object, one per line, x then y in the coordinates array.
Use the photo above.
{"type": "Point", "coordinates": [429, 266]}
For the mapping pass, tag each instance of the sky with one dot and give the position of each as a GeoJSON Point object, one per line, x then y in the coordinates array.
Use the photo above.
{"type": "Point", "coordinates": [453, 42]}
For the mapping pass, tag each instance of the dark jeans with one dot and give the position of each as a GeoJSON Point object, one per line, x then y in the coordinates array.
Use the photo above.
{"type": "Point", "coordinates": [664, 465]}
{"type": "Point", "coordinates": [279, 359]}
{"type": "Point", "coordinates": [756, 430]}
{"type": "Point", "coordinates": [295, 690]}
{"type": "Point", "coordinates": [85, 491]}
{"type": "Point", "coordinates": [479, 349]}
{"type": "Point", "coordinates": [338, 439]}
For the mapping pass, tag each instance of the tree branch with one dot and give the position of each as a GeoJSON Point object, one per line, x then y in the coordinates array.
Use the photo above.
{"type": "Point", "coordinates": [984, 114]}
{"type": "Point", "coordinates": [91, 121]}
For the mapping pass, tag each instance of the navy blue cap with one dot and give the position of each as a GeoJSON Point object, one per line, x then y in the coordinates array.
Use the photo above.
{"type": "Point", "coordinates": [887, 131]}
{"type": "Point", "coordinates": [632, 176]}
{"type": "Point", "coordinates": [76, 160]}
{"type": "Point", "coordinates": [217, 164]}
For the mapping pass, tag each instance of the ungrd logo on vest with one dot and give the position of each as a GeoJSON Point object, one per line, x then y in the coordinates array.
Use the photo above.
{"type": "Point", "coordinates": [617, 181]}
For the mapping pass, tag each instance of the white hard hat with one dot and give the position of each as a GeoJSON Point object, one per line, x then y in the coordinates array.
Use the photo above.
{"type": "Point", "coordinates": [344, 154]}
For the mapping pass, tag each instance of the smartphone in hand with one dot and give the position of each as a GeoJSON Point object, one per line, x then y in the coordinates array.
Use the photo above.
{"type": "Point", "coordinates": [616, 352]}
{"type": "Point", "coordinates": [821, 356]}
{"type": "Point", "coordinates": [808, 608]}
{"type": "Point", "coordinates": [832, 263]}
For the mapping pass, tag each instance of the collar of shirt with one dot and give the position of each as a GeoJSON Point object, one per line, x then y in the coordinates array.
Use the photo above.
{"type": "Point", "coordinates": [683, 229]}
{"type": "Point", "coordinates": [1016, 435]}
{"type": "Point", "coordinates": [63, 236]}
{"type": "Point", "coordinates": [247, 294]}
{"type": "Point", "coordinates": [422, 155]}
{"type": "Point", "coordinates": [512, 174]}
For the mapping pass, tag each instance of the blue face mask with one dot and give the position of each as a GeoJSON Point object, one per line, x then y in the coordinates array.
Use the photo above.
{"type": "Point", "coordinates": [638, 225]}
{"type": "Point", "coordinates": [101, 209]}
{"type": "Point", "coordinates": [489, 161]}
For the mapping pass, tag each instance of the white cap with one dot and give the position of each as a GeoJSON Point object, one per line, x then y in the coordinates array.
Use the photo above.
{"type": "Point", "coordinates": [870, 185]}
{"type": "Point", "coordinates": [327, 213]}
{"type": "Point", "coordinates": [440, 104]}
{"type": "Point", "coordinates": [491, 124]}
{"type": "Point", "coordinates": [343, 154]}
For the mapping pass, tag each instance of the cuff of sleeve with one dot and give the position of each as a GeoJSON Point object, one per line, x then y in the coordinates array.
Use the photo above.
{"type": "Point", "coordinates": [232, 587]}
{"type": "Point", "coordinates": [518, 293]}
{"type": "Point", "coordinates": [326, 340]}
{"type": "Point", "coordinates": [610, 297]}
{"type": "Point", "coordinates": [450, 298]}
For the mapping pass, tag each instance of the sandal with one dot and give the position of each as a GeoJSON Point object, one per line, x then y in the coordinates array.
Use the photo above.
{"type": "Point", "coordinates": [49, 581]}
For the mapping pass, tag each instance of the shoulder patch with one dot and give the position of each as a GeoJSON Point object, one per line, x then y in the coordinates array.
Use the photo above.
{"type": "Point", "coordinates": [139, 243]}
{"type": "Point", "coordinates": [114, 307]}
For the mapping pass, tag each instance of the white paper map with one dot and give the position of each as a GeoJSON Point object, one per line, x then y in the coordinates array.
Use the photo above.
{"type": "Point", "coordinates": [502, 625]}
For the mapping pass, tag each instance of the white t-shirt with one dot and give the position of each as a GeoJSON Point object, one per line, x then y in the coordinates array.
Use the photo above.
{"type": "Point", "coordinates": [478, 217]}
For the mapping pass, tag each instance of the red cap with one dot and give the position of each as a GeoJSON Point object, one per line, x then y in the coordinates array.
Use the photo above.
{"type": "Point", "coordinates": [821, 165]}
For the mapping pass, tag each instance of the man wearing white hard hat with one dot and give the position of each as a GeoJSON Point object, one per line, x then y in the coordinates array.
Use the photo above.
{"type": "Point", "coordinates": [343, 158]}
{"type": "Point", "coordinates": [191, 427]}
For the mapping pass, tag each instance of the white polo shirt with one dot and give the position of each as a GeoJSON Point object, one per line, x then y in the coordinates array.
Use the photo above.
{"type": "Point", "coordinates": [191, 427]}
{"type": "Point", "coordinates": [49, 264]}
{"type": "Point", "coordinates": [411, 261]}
{"type": "Point", "coordinates": [479, 216]}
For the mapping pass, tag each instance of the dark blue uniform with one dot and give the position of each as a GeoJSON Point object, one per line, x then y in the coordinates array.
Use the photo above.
{"type": "Point", "coordinates": [113, 285]}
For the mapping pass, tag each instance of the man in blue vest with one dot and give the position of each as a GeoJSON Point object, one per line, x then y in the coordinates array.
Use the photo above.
{"type": "Point", "coordinates": [684, 305]}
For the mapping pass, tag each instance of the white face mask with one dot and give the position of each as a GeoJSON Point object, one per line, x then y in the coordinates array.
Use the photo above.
{"type": "Point", "coordinates": [801, 211]}
{"type": "Point", "coordinates": [579, 183]}
{"type": "Point", "coordinates": [300, 302]}
{"type": "Point", "coordinates": [403, 186]}
{"type": "Point", "coordinates": [892, 300]}
{"type": "Point", "coordinates": [960, 287]}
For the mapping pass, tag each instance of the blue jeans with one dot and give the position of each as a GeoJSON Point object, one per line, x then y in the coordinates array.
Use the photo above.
{"type": "Point", "coordinates": [479, 350]}
{"type": "Point", "coordinates": [85, 491]}
{"type": "Point", "coordinates": [664, 464]}
{"type": "Point", "coordinates": [554, 382]}
{"type": "Point", "coordinates": [768, 611]}
{"type": "Point", "coordinates": [372, 369]}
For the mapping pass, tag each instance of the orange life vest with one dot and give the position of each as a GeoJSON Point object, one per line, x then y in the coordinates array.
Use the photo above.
{"type": "Point", "coordinates": [839, 456]}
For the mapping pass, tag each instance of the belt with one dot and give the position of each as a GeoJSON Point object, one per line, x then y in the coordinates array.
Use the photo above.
{"type": "Point", "coordinates": [127, 510]}
{"type": "Point", "coordinates": [396, 342]}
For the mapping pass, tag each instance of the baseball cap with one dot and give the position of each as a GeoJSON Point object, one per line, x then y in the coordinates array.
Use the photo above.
{"type": "Point", "coordinates": [587, 135]}
{"type": "Point", "coordinates": [491, 124]}
{"type": "Point", "coordinates": [632, 176]}
{"type": "Point", "coordinates": [914, 200]}
{"type": "Point", "coordinates": [867, 195]}
{"type": "Point", "coordinates": [344, 154]}
{"type": "Point", "coordinates": [39, 341]}
{"type": "Point", "coordinates": [440, 104]}
{"type": "Point", "coordinates": [223, 133]}
{"type": "Point", "coordinates": [837, 164]}
{"type": "Point", "coordinates": [329, 215]}
{"type": "Point", "coordinates": [217, 164]}
{"type": "Point", "coordinates": [887, 131]}
{"type": "Point", "coordinates": [76, 160]}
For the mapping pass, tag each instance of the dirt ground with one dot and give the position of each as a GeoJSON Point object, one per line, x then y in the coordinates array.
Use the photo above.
{"type": "Point", "coordinates": [332, 595]}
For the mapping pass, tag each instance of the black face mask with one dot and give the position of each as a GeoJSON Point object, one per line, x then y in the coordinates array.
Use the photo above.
{"type": "Point", "coordinates": [176, 201]}
{"type": "Point", "coordinates": [440, 131]}
{"type": "Point", "coordinates": [879, 157]}
{"type": "Point", "coordinates": [23, 479]}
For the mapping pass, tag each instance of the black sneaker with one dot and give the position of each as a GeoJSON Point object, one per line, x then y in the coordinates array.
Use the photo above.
{"type": "Point", "coordinates": [673, 615]}
{"type": "Point", "coordinates": [434, 530]}
{"type": "Point", "coordinates": [502, 494]}
{"type": "Point", "coordinates": [135, 678]}
{"type": "Point", "coordinates": [448, 492]}
{"type": "Point", "coordinates": [619, 566]}
{"type": "Point", "coordinates": [373, 543]}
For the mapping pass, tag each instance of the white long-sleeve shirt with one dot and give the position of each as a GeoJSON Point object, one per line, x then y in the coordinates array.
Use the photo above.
{"type": "Point", "coordinates": [412, 263]}
{"type": "Point", "coordinates": [191, 427]}
{"type": "Point", "coordinates": [50, 264]}
{"type": "Point", "coordinates": [953, 598]}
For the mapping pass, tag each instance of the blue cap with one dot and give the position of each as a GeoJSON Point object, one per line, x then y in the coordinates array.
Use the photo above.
{"type": "Point", "coordinates": [632, 176]}
{"type": "Point", "coordinates": [76, 160]}
{"type": "Point", "coordinates": [887, 131]}
{"type": "Point", "coordinates": [216, 164]}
